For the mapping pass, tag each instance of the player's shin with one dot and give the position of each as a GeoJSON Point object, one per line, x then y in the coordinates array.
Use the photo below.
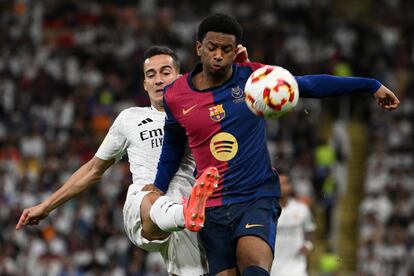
{"type": "Point", "coordinates": [167, 214]}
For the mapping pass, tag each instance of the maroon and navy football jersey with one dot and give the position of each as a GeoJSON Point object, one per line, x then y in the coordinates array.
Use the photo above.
{"type": "Point", "coordinates": [222, 132]}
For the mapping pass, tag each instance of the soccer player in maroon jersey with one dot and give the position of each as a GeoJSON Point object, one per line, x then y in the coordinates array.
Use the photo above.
{"type": "Point", "coordinates": [206, 108]}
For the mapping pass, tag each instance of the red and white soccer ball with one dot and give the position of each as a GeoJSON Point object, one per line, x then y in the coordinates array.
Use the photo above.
{"type": "Point", "coordinates": [271, 92]}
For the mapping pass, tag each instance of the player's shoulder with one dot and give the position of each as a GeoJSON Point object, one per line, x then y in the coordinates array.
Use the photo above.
{"type": "Point", "coordinates": [134, 110]}
{"type": "Point", "coordinates": [176, 91]}
{"type": "Point", "coordinates": [178, 84]}
{"type": "Point", "coordinates": [297, 204]}
{"type": "Point", "coordinates": [138, 111]}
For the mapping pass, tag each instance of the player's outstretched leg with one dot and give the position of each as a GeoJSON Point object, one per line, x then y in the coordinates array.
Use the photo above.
{"type": "Point", "coordinates": [194, 210]}
{"type": "Point", "coordinates": [170, 216]}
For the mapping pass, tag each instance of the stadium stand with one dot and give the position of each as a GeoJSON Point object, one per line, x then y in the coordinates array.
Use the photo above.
{"type": "Point", "coordinates": [68, 67]}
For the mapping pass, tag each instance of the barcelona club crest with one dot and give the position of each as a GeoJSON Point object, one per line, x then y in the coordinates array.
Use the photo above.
{"type": "Point", "coordinates": [217, 113]}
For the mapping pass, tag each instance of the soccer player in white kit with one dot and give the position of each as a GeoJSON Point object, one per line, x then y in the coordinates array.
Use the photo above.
{"type": "Point", "coordinates": [294, 234]}
{"type": "Point", "coordinates": [138, 132]}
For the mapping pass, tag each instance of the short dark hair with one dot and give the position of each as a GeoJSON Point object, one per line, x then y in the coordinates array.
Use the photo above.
{"type": "Point", "coordinates": [220, 23]}
{"type": "Point", "coordinates": [162, 50]}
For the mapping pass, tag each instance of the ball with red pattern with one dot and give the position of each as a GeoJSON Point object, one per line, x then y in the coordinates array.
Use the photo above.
{"type": "Point", "coordinates": [271, 92]}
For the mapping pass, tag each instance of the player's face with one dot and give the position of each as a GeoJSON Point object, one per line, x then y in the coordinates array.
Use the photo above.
{"type": "Point", "coordinates": [217, 52]}
{"type": "Point", "coordinates": [159, 71]}
{"type": "Point", "coordinates": [285, 186]}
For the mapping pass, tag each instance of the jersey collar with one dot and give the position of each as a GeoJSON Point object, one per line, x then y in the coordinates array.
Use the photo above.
{"type": "Point", "coordinates": [154, 109]}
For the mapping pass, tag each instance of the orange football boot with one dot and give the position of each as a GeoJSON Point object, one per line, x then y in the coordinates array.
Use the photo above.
{"type": "Point", "coordinates": [194, 210]}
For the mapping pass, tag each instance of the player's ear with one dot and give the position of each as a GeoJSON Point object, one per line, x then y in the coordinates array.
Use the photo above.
{"type": "Point", "coordinates": [198, 48]}
{"type": "Point", "coordinates": [144, 83]}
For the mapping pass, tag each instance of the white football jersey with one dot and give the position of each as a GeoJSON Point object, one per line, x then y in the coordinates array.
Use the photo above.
{"type": "Point", "coordinates": [294, 221]}
{"type": "Point", "coordinates": [139, 132]}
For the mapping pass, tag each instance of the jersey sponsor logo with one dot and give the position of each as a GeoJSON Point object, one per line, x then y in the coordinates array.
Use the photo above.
{"type": "Point", "coordinates": [248, 225]}
{"type": "Point", "coordinates": [145, 121]}
{"type": "Point", "coordinates": [147, 134]}
{"type": "Point", "coordinates": [237, 94]}
{"type": "Point", "coordinates": [185, 111]}
{"type": "Point", "coordinates": [224, 146]}
{"type": "Point", "coordinates": [154, 135]}
{"type": "Point", "coordinates": [217, 113]}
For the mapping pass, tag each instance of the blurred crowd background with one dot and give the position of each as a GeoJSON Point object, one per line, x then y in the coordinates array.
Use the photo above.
{"type": "Point", "coordinates": [67, 68]}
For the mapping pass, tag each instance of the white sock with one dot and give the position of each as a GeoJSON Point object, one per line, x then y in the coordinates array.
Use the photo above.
{"type": "Point", "coordinates": [168, 215]}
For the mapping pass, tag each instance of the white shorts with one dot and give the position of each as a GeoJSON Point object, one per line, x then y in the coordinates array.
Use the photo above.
{"type": "Point", "coordinates": [182, 251]}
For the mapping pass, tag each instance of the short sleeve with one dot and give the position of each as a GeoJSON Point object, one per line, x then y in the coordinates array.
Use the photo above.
{"type": "Point", "coordinates": [115, 143]}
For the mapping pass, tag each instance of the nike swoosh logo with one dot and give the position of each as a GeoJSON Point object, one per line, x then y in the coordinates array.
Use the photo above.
{"type": "Point", "coordinates": [248, 225]}
{"type": "Point", "coordinates": [185, 111]}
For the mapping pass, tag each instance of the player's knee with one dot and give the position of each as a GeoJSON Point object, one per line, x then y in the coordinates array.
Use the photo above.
{"type": "Point", "coordinates": [145, 207]}
{"type": "Point", "coordinates": [253, 251]}
{"type": "Point", "coordinates": [244, 262]}
{"type": "Point", "coordinates": [150, 198]}
{"type": "Point", "coordinates": [254, 270]}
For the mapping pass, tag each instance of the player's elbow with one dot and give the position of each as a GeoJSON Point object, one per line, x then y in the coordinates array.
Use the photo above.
{"type": "Point", "coordinates": [96, 169]}
{"type": "Point", "coordinates": [95, 176]}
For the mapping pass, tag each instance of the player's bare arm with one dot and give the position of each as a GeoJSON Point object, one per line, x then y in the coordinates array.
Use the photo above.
{"type": "Point", "coordinates": [386, 98]}
{"type": "Point", "coordinates": [85, 177]}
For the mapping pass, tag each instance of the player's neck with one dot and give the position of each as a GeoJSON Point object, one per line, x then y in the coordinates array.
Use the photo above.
{"type": "Point", "coordinates": [157, 106]}
{"type": "Point", "coordinates": [205, 80]}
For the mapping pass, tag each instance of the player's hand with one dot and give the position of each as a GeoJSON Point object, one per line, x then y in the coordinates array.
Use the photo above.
{"type": "Point", "coordinates": [32, 215]}
{"type": "Point", "coordinates": [386, 98]}
{"type": "Point", "coordinates": [241, 54]}
{"type": "Point", "coordinates": [152, 188]}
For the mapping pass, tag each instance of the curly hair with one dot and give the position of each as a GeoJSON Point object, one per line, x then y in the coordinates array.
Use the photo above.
{"type": "Point", "coordinates": [220, 23]}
